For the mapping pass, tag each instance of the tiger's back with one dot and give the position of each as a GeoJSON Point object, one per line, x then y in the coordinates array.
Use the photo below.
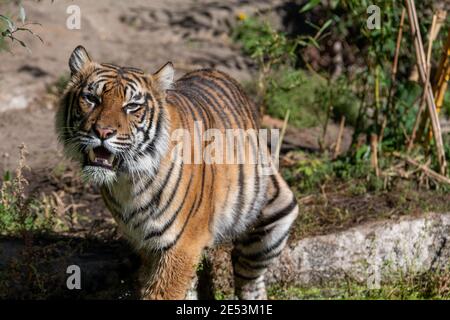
{"type": "Point", "coordinates": [217, 101]}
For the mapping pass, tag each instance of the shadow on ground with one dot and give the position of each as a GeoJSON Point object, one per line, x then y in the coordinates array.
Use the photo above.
{"type": "Point", "coordinates": [36, 268]}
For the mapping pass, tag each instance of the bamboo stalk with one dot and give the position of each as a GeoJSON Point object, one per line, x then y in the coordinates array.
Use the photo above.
{"type": "Point", "coordinates": [377, 96]}
{"type": "Point", "coordinates": [422, 106]}
{"type": "Point", "coordinates": [374, 153]}
{"type": "Point", "coordinates": [283, 132]}
{"type": "Point", "coordinates": [393, 75]}
{"type": "Point", "coordinates": [439, 84]}
{"type": "Point", "coordinates": [421, 63]}
{"type": "Point", "coordinates": [337, 148]}
{"type": "Point", "coordinates": [431, 38]}
{"type": "Point", "coordinates": [442, 75]}
{"type": "Point", "coordinates": [423, 99]}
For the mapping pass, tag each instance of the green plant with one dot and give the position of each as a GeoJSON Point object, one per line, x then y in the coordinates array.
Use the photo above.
{"type": "Point", "coordinates": [270, 48]}
{"type": "Point", "coordinates": [20, 213]}
{"type": "Point", "coordinates": [294, 90]}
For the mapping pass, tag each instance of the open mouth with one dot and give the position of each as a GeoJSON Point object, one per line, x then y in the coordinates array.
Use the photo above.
{"type": "Point", "coordinates": [102, 157]}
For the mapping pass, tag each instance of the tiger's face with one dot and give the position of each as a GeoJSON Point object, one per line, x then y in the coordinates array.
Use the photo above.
{"type": "Point", "coordinates": [112, 119]}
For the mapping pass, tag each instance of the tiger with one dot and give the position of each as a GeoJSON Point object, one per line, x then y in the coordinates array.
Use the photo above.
{"type": "Point", "coordinates": [117, 123]}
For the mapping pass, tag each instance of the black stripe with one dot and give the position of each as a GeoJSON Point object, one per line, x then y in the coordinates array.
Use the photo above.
{"type": "Point", "coordinates": [147, 185]}
{"type": "Point", "coordinates": [256, 236]}
{"type": "Point", "coordinates": [205, 84]}
{"type": "Point", "coordinates": [249, 106]}
{"type": "Point", "coordinates": [156, 198]}
{"type": "Point", "coordinates": [250, 266]}
{"type": "Point", "coordinates": [124, 137]}
{"type": "Point", "coordinates": [150, 148]}
{"type": "Point", "coordinates": [195, 107]}
{"type": "Point", "coordinates": [279, 215]}
{"type": "Point", "coordinates": [239, 204]}
{"type": "Point", "coordinates": [223, 86]}
{"type": "Point", "coordinates": [256, 192]}
{"type": "Point", "coordinates": [127, 144]}
{"type": "Point", "coordinates": [219, 106]}
{"type": "Point", "coordinates": [174, 191]}
{"type": "Point", "coordinates": [168, 224]}
{"type": "Point", "coordinates": [133, 69]}
{"type": "Point", "coordinates": [105, 72]}
{"type": "Point", "coordinates": [178, 103]}
{"type": "Point", "coordinates": [136, 78]}
{"type": "Point", "coordinates": [110, 65]}
{"type": "Point", "coordinates": [202, 187]}
{"type": "Point", "coordinates": [267, 250]}
{"type": "Point", "coordinates": [235, 90]}
{"type": "Point", "coordinates": [170, 245]}
{"type": "Point", "coordinates": [277, 187]}
{"type": "Point", "coordinates": [238, 275]}
{"type": "Point", "coordinates": [194, 93]}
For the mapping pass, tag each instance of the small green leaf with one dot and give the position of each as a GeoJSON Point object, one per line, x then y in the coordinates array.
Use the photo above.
{"type": "Point", "coordinates": [310, 5]}
{"type": "Point", "coordinates": [11, 26]}
{"type": "Point", "coordinates": [324, 27]}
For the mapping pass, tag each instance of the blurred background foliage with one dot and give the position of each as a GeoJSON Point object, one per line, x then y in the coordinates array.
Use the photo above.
{"type": "Point", "coordinates": [324, 60]}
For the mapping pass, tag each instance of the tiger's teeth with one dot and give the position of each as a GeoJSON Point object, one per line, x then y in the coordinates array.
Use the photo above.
{"type": "Point", "coordinates": [92, 155]}
{"type": "Point", "coordinates": [111, 158]}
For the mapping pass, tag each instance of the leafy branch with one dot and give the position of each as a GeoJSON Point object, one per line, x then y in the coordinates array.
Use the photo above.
{"type": "Point", "coordinates": [12, 29]}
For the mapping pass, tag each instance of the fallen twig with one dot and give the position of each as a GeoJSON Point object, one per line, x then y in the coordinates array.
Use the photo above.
{"type": "Point", "coordinates": [424, 168]}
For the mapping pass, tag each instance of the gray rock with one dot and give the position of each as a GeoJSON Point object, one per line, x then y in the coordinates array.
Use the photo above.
{"type": "Point", "coordinates": [369, 253]}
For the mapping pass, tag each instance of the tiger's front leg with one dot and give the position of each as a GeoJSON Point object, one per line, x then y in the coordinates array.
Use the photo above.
{"type": "Point", "coordinates": [168, 275]}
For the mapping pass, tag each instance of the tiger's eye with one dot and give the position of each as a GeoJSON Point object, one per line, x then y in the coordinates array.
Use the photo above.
{"type": "Point", "coordinates": [132, 107]}
{"type": "Point", "coordinates": [90, 98]}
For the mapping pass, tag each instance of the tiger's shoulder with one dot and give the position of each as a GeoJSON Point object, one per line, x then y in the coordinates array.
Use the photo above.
{"type": "Point", "coordinates": [218, 88]}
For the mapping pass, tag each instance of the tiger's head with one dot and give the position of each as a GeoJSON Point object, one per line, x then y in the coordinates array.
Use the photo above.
{"type": "Point", "coordinates": [112, 119]}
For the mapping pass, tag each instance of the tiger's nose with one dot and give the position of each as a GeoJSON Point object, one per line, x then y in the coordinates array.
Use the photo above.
{"type": "Point", "coordinates": [104, 132]}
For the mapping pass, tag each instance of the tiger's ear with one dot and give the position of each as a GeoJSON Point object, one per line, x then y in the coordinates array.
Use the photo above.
{"type": "Point", "coordinates": [164, 76]}
{"type": "Point", "coordinates": [78, 59]}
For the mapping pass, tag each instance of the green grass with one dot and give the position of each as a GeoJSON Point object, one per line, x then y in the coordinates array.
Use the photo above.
{"type": "Point", "coordinates": [308, 97]}
{"type": "Point", "coordinates": [433, 285]}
